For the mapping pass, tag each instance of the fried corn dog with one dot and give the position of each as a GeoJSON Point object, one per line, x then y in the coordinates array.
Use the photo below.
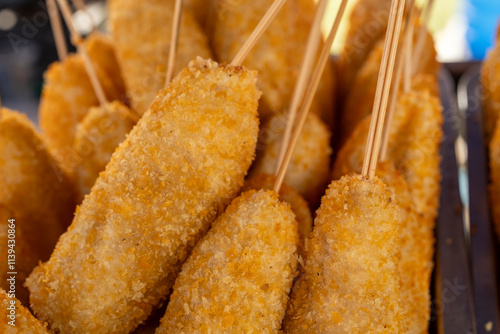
{"type": "Point", "coordinates": [67, 96]}
{"type": "Point", "coordinates": [142, 48]}
{"type": "Point", "coordinates": [276, 56]}
{"type": "Point", "coordinates": [350, 282]}
{"type": "Point", "coordinates": [182, 163]}
{"type": "Point", "coordinates": [97, 137]}
{"type": "Point", "coordinates": [288, 195]}
{"type": "Point", "coordinates": [309, 169]}
{"type": "Point", "coordinates": [359, 102]}
{"type": "Point", "coordinates": [22, 322]}
{"type": "Point", "coordinates": [490, 80]}
{"type": "Point", "coordinates": [34, 192]}
{"type": "Point", "coordinates": [238, 278]}
{"type": "Point", "coordinates": [494, 188]}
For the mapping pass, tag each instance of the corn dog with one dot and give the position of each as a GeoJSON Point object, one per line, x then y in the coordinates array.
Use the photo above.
{"type": "Point", "coordinates": [22, 322]}
{"type": "Point", "coordinates": [238, 277]}
{"type": "Point", "coordinates": [142, 47]}
{"type": "Point", "coordinates": [276, 56]}
{"type": "Point", "coordinates": [97, 137]}
{"type": "Point", "coordinates": [350, 282]}
{"type": "Point", "coordinates": [66, 97]}
{"type": "Point", "coordinates": [309, 169]}
{"type": "Point", "coordinates": [490, 74]}
{"type": "Point", "coordinates": [288, 195]}
{"type": "Point", "coordinates": [34, 192]}
{"type": "Point", "coordinates": [182, 163]}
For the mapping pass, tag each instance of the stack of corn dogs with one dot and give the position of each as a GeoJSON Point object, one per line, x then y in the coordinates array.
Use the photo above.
{"type": "Point", "coordinates": [197, 195]}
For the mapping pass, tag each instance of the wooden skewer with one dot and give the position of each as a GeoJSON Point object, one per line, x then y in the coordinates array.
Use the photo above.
{"type": "Point", "coordinates": [419, 46]}
{"type": "Point", "coordinates": [174, 39]}
{"type": "Point", "coordinates": [302, 79]}
{"type": "Point", "coordinates": [80, 5]}
{"type": "Point", "coordinates": [57, 30]}
{"type": "Point", "coordinates": [309, 97]}
{"type": "Point", "coordinates": [383, 87]}
{"type": "Point", "coordinates": [76, 39]}
{"type": "Point", "coordinates": [396, 81]}
{"type": "Point", "coordinates": [258, 31]}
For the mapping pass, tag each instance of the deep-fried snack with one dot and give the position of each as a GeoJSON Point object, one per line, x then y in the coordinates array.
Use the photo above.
{"type": "Point", "coordinates": [97, 137]}
{"type": "Point", "coordinates": [291, 196]}
{"type": "Point", "coordinates": [350, 282]}
{"type": "Point", "coordinates": [141, 33]}
{"type": "Point", "coordinates": [309, 169]}
{"type": "Point", "coordinates": [22, 321]}
{"type": "Point", "coordinates": [181, 164]}
{"type": "Point", "coordinates": [239, 275]}
{"type": "Point", "coordinates": [33, 191]}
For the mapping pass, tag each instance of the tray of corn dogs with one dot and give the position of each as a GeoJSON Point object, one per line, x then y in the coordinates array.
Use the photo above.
{"type": "Point", "coordinates": [209, 169]}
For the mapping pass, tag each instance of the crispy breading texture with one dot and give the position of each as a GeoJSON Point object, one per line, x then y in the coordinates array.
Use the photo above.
{"type": "Point", "coordinates": [417, 250]}
{"type": "Point", "coordinates": [309, 168]}
{"type": "Point", "coordinates": [414, 143]}
{"type": "Point", "coordinates": [277, 56]}
{"type": "Point", "coordinates": [238, 278]}
{"type": "Point", "coordinates": [34, 191]}
{"type": "Point", "coordinates": [494, 188]}
{"type": "Point", "coordinates": [350, 282]}
{"type": "Point", "coordinates": [359, 101]}
{"type": "Point", "coordinates": [23, 321]}
{"type": "Point", "coordinates": [291, 196]}
{"type": "Point", "coordinates": [490, 80]}
{"type": "Point", "coordinates": [97, 137]}
{"type": "Point", "coordinates": [67, 96]}
{"type": "Point", "coordinates": [141, 32]}
{"type": "Point", "coordinates": [182, 163]}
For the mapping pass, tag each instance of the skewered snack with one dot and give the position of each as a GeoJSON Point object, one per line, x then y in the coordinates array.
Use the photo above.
{"type": "Point", "coordinates": [309, 169]}
{"type": "Point", "coordinates": [288, 195]}
{"type": "Point", "coordinates": [16, 319]}
{"type": "Point", "coordinates": [239, 275]}
{"type": "Point", "coordinates": [359, 101]}
{"type": "Point", "coordinates": [350, 282]}
{"type": "Point", "coordinates": [142, 47]}
{"type": "Point", "coordinates": [490, 74]}
{"type": "Point", "coordinates": [200, 10]}
{"type": "Point", "coordinates": [277, 56]}
{"type": "Point", "coordinates": [184, 161]}
{"type": "Point", "coordinates": [97, 137]}
{"type": "Point", "coordinates": [33, 191]}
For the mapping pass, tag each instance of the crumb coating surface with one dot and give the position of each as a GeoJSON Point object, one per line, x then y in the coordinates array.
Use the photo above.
{"type": "Point", "coordinates": [238, 278]}
{"type": "Point", "coordinates": [350, 282]}
{"type": "Point", "coordinates": [141, 32]}
{"type": "Point", "coordinates": [97, 137]}
{"type": "Point", "coordinates": [34, 191]}
{"type": "Point", "coordinates": [25, 322]}
{"type": "Point", "coordinates": [180, 165]}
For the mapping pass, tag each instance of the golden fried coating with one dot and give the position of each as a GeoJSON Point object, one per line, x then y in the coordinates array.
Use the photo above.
{"type": "Point", "coordinates": [33, 191]}
{"type": "Point", "coordinates": [414, 141]}
{"type": "Point", "coordinates": [18, 320]}
{"type": "Point", "coordinates": [182, 163]}
{"type": "Point", "coordinates": [67, 96]}
{"type": "Point", "coordinates": [238, 278]}
{"type": "Point", "coordinates": [141, 32]}
{"type": "Point", "coordinates": [200, 10]}
{"type": "Point", "coordinates": [359, 101]}
{"type": "Point", "coordinates": [417, 241]}
{"type": "Point", "coordinates": [350, 282]}
{"type": "Point", "coordinates": [102, 53]}
{"type": "Point", "coordinates": [367, 25]}
{"type": "Point", "coordinates": [291, 196]}
{"type": "Point", "coordinates": [309, 169]}
{"type": "Point", "coordinates": [97, 137]}
{"type": "Point", "coordinates": [494, 189]}
{"type": "Point", "coordinates": [278, 54]}
{"type": "Point", "coordinates": [490, 80]}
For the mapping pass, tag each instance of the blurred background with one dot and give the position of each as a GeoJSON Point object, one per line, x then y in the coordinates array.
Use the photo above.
{"type": "Point", "coordinates": [463, 30]}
